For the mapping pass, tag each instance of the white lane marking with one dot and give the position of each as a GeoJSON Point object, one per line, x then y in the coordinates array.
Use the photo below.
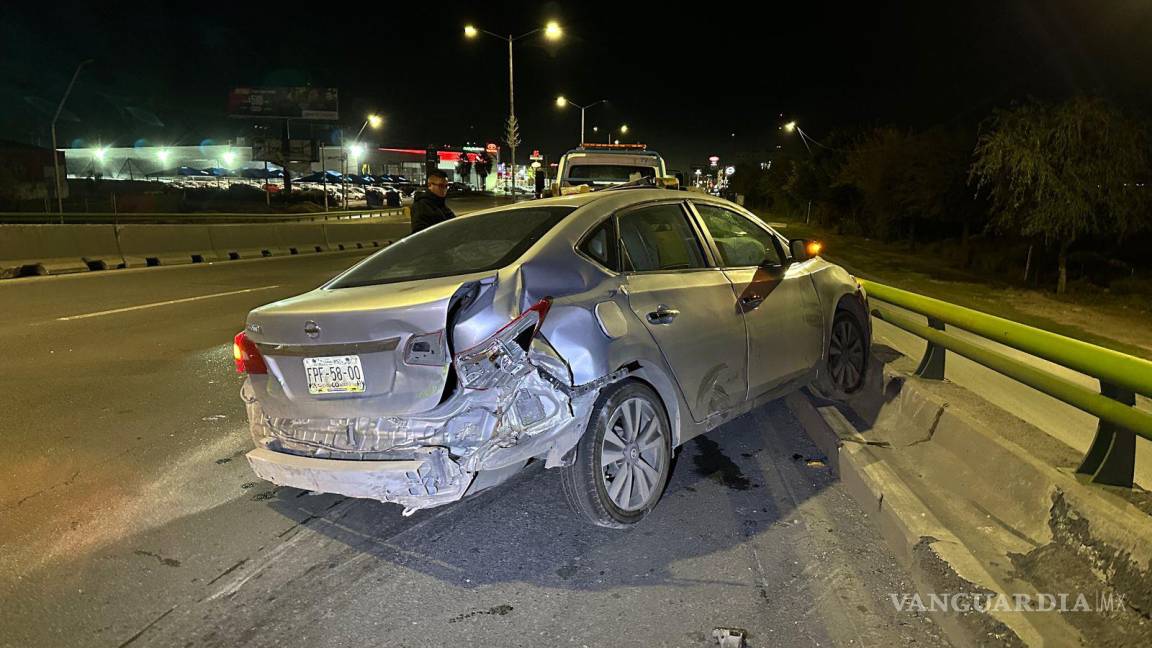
{"type": "Point", "coordinates": [163, 303]}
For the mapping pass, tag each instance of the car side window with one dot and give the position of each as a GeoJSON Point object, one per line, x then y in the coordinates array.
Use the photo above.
{"type": "Point", "coordinates": [659, 238]}
{"type": "Point", "coordinates": [600, 245]}
{"type": "Point", "coordinates": [740, 241]}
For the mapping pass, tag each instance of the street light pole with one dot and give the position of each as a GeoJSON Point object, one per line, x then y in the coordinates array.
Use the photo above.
{"type": "Point", "coordinates": [552, 31]}
{"type": "Point", "coordinates": [623, 130]}
{"type": "Point", "coordinates": [562, 101]}
{"type": "Point", "coordinates": [55, 156]}
{"type": "Point", "coordinates": [511, 120]}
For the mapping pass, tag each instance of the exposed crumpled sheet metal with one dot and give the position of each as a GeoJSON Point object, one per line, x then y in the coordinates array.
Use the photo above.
{"type": "Point", "coordinates": [427, 478]}
{"type": "Point", "coordinates": [533, 410]}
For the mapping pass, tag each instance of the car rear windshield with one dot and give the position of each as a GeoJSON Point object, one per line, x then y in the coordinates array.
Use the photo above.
{"type": "Point", "coordinates": [600, 173]}
{"type": "Point", "coordinates": [463, 245]}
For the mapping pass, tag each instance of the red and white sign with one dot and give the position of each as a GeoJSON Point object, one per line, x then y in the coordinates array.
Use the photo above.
{"type": "Point", "coordinates": [492, 148]}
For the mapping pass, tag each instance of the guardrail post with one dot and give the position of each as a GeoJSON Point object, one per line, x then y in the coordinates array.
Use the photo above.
{"type": "Point", "coordinates": [932, 365]}
{"type": "Point", "coordinates": [1111, 459]}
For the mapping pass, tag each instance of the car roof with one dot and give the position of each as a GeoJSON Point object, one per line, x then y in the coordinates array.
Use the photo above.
{"type": "Point", "coordinates": [606, 151]}
{"type": "Point", "coordinates": [619, 198]}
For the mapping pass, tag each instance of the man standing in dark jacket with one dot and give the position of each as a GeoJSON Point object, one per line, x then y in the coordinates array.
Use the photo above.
{"type": "Point", "coordinates": [429, 207]}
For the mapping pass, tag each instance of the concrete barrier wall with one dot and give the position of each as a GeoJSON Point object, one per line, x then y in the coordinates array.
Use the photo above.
{"type": "Point", "coordinates": [247, 241]}
{"type": "Point", "coordinates": [304, 239]}
{"type": "Point", "coordinates": [55, 249]}
{"type": "Point", "coordinates": [166, 244]}
{"type": "Point", "coordinates": [44, 249]}
{"type": "Point", "coordinates": [351, 234]}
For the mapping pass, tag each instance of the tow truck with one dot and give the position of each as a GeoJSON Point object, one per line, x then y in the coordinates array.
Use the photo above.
{"type": "Point", "coordinates": [595, 166]}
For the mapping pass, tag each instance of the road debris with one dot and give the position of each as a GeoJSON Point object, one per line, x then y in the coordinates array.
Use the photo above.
{"type": "Point", "coordinates": [730, 637]}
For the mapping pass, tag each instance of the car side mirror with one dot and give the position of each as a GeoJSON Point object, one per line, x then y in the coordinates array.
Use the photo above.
{"type": "Point", "coordinates": [804, 249]}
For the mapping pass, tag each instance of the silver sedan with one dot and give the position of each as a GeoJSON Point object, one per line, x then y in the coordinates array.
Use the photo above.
{"type": "Point", "coordinates": [596, 333]}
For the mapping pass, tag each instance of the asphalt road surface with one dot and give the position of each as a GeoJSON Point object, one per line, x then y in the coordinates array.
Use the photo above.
{"type": "Point", "coordinates": [129, 517]}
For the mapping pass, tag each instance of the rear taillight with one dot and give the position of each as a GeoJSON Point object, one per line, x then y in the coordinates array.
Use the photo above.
{"type": "Point", "coordinates": [247, 356]}
{"type": "Point", "coordinates": [502, 355]}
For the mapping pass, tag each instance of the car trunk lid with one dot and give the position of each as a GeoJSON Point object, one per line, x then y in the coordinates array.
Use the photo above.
{"type": "Point", "coordinates": [391, 335]}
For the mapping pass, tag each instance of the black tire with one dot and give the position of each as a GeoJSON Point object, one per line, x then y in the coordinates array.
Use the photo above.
{"type": "Point", "coordinates": [844, 370]}
{"type": "Point", "coordinates": [587, 481]}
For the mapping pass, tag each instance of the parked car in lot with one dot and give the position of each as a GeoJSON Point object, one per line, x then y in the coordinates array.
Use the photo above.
{"type": "Point", "coordinates": [594, 332]}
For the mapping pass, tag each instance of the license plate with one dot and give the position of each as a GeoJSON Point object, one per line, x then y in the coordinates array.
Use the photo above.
{"type": "Point", "coordinates": [334, 375]}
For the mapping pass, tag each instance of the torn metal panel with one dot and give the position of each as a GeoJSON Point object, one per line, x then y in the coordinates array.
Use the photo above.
{"type": "Point", "coordinates": [429, 479]}
{"type": "Point", "coordinates": [526, 409]}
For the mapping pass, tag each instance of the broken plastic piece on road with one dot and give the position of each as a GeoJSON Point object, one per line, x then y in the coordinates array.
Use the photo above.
{"type": "Point", "coordinates": [730, 637]}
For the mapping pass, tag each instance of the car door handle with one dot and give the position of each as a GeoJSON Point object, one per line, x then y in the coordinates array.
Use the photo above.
{"type": "Point", "coordinates": [663, 315]}
{"type": "Point", "coordinates": [751, 301]}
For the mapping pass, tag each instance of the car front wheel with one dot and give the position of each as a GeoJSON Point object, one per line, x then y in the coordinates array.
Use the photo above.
{"type": "Point", "coordinates": [623, 460]}
{"type": "Point", "coordinates": [846, 366]}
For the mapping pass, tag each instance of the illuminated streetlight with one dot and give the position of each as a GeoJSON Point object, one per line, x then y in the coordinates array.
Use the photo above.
{"type": "Point", "coordinates": [100, 154]}
{"type": "Point", "coordinates": [229, 159]}
{"type": "Point", "coordinates": [791, 127]}
{"type": "Point", "coordinates": [357, 151]}
{"type": "Point", "coordinates": [374, 120]}
{"type": "Point", "coordinates": [562, 101]}
{"type": "Point", "coordinates": [162, 155]}
{"type": "Point", "coordinates": [551, 31]}
{"type": "Point", "coordinates": [623, 130]}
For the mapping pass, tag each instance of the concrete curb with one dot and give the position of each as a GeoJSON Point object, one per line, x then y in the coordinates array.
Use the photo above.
{"type": "Point", "coordinates": [920, 541]}
{"type": "Point", "coordinates": [972, 499]}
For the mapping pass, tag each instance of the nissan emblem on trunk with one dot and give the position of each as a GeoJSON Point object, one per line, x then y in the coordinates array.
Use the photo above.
{"type": "Point", "coordinates": [312, 329]}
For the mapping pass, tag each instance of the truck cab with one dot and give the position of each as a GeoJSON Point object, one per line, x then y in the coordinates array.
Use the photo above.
{"type": "Point", "coordinates": [594, 166]}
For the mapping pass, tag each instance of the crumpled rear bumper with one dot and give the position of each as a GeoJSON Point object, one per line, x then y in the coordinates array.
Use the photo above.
{"type": "Point", "coordinates": [429, 479]}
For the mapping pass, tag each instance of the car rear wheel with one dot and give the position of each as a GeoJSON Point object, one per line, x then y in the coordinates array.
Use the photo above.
{"type": "Point", "coordinates": [623, 460]}
{"type": "Point", "coordinates": [845, 368]}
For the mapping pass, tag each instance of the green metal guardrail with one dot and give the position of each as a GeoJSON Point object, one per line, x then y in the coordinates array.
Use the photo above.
{"type": "Point", "coordinates": [1111, 459]}
{"type": "Point", "coordinates": [197, 218]}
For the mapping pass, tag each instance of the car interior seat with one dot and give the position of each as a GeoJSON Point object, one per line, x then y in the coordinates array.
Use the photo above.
{"type": "Point", "coordinates": [741, 251]}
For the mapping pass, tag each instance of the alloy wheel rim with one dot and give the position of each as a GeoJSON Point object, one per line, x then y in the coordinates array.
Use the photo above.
{"type": "Point", "coordinates": [632, 455]}
{"type": "Point", "coordinates": [846, 356]}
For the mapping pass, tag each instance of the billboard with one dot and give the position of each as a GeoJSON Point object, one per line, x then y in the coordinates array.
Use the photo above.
{"type": "Point", "coordinates": [268, 149]}
{"type": "Point", "coordinates": [301, 150]}
{"type": "Point", "coordinates": [284, 103]}
{"type": "Point", "coordinates": [271, 149]}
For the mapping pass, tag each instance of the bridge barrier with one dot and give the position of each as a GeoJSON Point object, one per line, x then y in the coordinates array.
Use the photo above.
{"type": "Point", "coordinates": [203, 218]}
{"type": "Point", "coordinates": [303, 238]}
{"type": "Point", "coordinates": [50, 249]}
{"type": "Point", "coordinates": [38, 249]}
{"type": "Point", "coordinates": [150, 245]}
{"type": "Point", "coordinates": [1111, 459]}
{"type": "Point", "coordinates": [346, 236]}
{"type": "Point", "coordinates": [244, 241]}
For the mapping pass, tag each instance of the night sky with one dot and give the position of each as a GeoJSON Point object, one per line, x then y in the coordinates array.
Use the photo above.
{"type": "Point", "coordinates": [689, 79]}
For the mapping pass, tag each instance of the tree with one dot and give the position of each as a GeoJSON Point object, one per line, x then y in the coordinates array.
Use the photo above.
{"type": "Point", "coordinates": [878, 167]}
{"type": "Point", "coordinates": [1062, 172]}
{"type": "Point", "coordinates": [483, 166]}
{"type": "Point", "coordinates": [464, 168]}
